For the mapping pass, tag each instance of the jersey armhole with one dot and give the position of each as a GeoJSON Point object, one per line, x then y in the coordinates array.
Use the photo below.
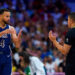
{"type": "Point", "coordinates": [9, 26]}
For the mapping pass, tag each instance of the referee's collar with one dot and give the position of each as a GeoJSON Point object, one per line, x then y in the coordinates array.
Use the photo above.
{"type": "Point", "coordinates": [73, 27]}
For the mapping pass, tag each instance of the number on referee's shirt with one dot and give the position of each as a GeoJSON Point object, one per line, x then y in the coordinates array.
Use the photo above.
{"type": "Point", "coordinates": [2, 43]}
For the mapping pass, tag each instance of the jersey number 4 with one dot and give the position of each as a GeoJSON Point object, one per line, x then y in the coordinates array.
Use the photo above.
{"type": "Point", "coordinates": [2, 43]}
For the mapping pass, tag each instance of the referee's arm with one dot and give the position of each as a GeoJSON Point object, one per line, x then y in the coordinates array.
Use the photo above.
{"type": "Point", "coordinates": [63, 49]}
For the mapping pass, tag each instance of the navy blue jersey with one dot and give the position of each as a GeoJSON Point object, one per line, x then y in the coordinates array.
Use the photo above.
{"type": "Point", "coordinates": [5, 41]}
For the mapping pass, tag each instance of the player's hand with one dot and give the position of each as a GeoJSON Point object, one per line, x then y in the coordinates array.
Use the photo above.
{"type": "Point", "coordinates": [20, 33]}
{"type": "Point", "coordinates": [19, 36]}
{"type": "Point", "coordinates": [52, 37]}
{"type": "Point", "coordinates": [7, 31]}
{"type": "Point", "coordinates": [11, 30]}
{"type": "Point", "coordinates": [4, 32]}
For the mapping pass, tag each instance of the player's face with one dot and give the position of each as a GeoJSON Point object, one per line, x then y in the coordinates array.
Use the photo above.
{"type": "Point", "coordinates": [6, 17]}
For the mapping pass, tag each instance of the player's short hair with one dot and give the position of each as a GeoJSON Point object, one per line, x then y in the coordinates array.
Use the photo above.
{"type": "Point", "coordinates": [3, 10]}
{"type": "Point", "coordinates": [72, 15]}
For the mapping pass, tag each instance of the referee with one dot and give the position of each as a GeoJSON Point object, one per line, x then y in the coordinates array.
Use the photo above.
{"type": "Point", "coordinates": [68, 48]}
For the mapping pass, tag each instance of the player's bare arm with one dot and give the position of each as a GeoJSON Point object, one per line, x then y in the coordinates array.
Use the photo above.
{"type": "Point", "coordinates": [63, 49]}
{"type": "Point", "coordinates": [16, 39]}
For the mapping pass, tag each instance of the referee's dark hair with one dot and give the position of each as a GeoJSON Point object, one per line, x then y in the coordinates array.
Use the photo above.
{"type": "Point", "coordinates": [72, 16]}
{"type": "Point", "coordinates": [3, 10]}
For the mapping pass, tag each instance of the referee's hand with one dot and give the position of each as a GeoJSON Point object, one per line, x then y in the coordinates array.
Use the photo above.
{"type": "Point", "coordinates": [52, 37]}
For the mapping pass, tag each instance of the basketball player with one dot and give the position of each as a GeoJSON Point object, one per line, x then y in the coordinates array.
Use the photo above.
{"type": "Point", "coordinates": [7, 33]}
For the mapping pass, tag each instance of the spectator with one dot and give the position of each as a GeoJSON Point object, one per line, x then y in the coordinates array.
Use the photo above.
{"type": "Point", "coordinates": [51, 66]}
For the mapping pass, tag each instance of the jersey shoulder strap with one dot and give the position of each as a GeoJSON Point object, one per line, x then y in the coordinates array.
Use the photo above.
{"type": "Point", "coordinates": [9, 26]}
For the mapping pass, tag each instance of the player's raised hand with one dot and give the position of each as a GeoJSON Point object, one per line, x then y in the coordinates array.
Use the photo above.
{"type": "Point", "coordinates": [52, 37]}
{"type": "Point", "coordinates": [20, 33]}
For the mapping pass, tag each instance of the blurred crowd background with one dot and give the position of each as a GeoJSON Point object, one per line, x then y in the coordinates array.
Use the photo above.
{"type": "Point", "coordinates": [36, 18]}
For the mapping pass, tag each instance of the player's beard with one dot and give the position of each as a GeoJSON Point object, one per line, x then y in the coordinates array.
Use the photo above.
{"type": "Point", "coordinates": [6, 22]}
